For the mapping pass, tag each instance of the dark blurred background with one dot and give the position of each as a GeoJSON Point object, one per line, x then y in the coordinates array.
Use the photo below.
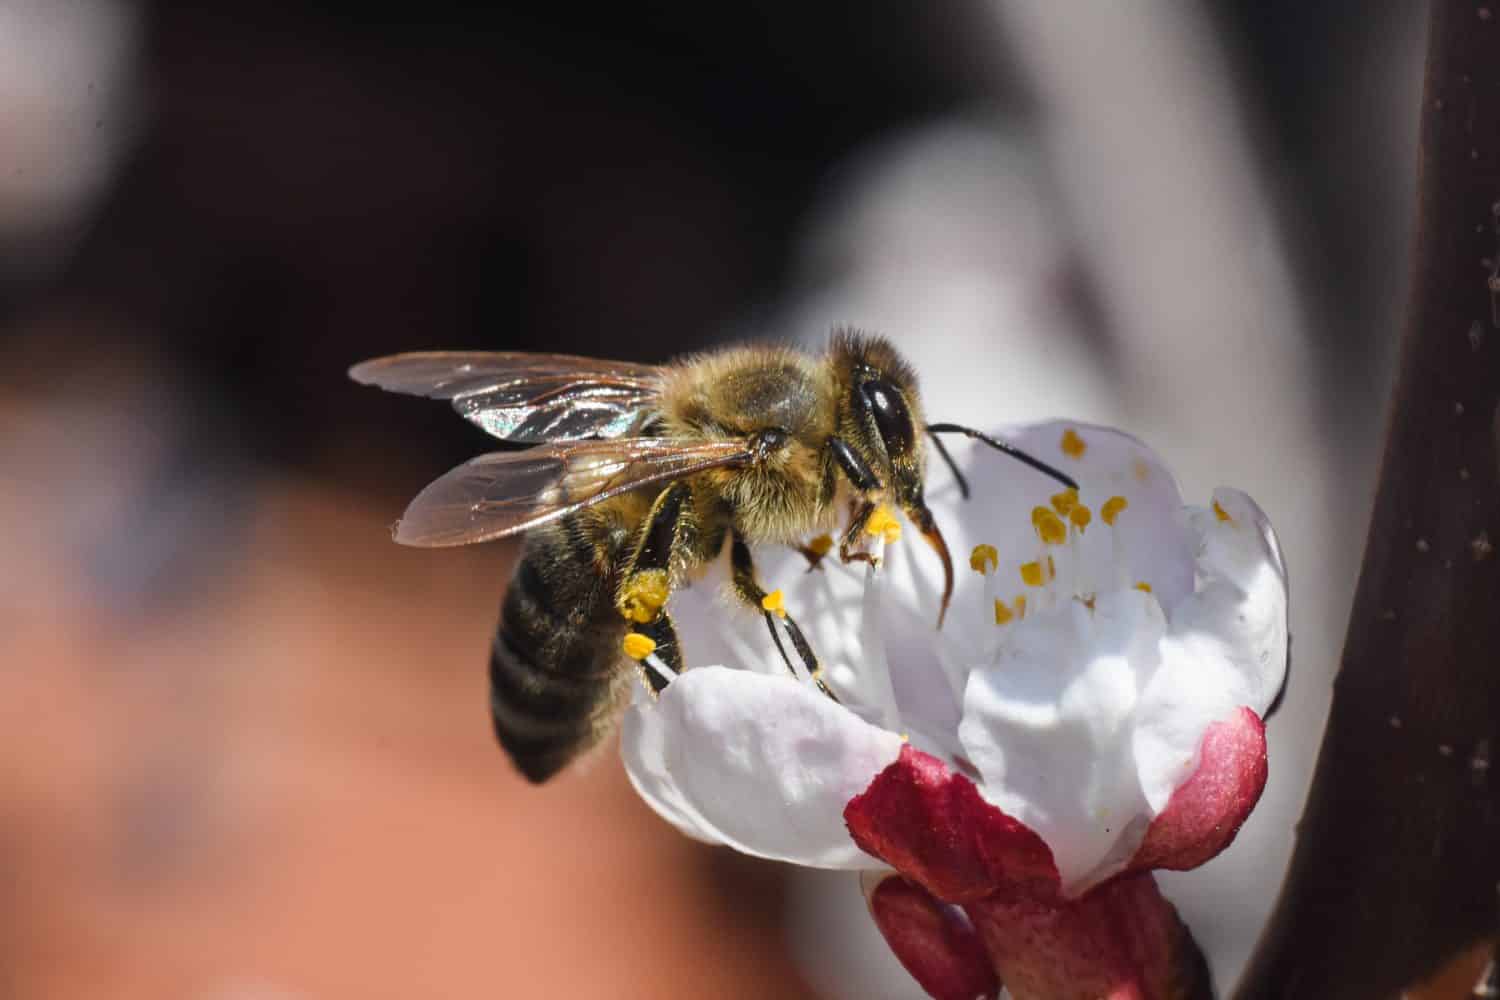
{"type": "Point", "coordinates": [245, 744]}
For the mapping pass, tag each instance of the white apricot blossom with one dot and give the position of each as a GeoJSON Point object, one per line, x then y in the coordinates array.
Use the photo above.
{"type": "Point", "coordinates": [1091, 646]}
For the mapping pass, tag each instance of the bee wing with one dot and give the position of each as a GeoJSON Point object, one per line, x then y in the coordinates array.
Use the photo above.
{"type": "Point", "coordinates": [506, 493]}
{"type": "Point", "coordinates": [524, 397]}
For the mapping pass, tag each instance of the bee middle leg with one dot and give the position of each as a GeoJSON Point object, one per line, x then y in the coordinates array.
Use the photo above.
{"type": "Point", "coordinates": [749, 591]}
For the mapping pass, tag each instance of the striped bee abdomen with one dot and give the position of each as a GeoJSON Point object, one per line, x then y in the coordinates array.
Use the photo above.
{"type": "Point", "coordinates": [556, 681]}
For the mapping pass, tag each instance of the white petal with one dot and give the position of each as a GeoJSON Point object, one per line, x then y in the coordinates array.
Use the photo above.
{"type": "Point", "coordinates": [1242, 596]}
{"type": "Point", "coordinates": [756, 761]}
{"type": "Point", "coordinates": [1049, 727]}
{"type": "Point", "coordinates": [1226, 645]}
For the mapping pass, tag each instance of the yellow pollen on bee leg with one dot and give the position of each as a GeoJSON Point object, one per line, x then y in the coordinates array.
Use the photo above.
{"type": "Point", "coordinates": [1065, 501]}
{"type": "Point", "coordinates": [1003, 614]}
{"type": "Point", "coordinates": [1049, 527]}
{"type": "Point", "coordinates": [1072, 445]}
{"type": "Point", "coordinates": [821, 545]}
{"type": "Point", "coordinates": [1112, 508]}
{"type": "Point", "coordinates": [644, 596]}
{"type": "Point", "coordinates": [984, 559]}
{"type": "Point", "coordinates": [775, 602]}
{"type": "Point", "coordinates": [1143, 586]}
{"type": "Point", "coordinates": [883, 524]}
{"type": "Point", "coordinates": [1031, 574]}
{"type": "Point", "coordinates": [638, 646]}
{"type": "Point", "coordinates": [1080, 515]}
{"type": "Point", "coordinates": [1221, 513]}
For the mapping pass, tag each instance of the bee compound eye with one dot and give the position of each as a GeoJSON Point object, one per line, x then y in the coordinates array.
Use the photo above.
{"type": "Point", "coordinates": [892, 418]}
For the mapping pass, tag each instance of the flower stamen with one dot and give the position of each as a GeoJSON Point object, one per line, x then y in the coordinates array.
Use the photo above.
{"type": "Point", "coordinates": [984, 560]}
{"type": "Point", "coordinates": [1049, 527]}
{"type": "Point", "coordinates": [1072, 445]}
{"type": "Point", "coordinates": [884, 525]}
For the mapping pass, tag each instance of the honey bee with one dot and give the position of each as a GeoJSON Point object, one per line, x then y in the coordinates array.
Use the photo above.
{"type": "Point", "coordinates": [637, 478]}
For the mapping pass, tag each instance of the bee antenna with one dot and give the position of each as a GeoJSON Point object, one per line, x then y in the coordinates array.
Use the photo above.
{"type": "Point", "coordinates": [942, 449]}
{"type": "Point", "coordinates": [1009, 449]}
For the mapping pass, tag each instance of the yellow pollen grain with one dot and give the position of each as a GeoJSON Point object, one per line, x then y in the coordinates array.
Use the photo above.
{"type": "Point", "coordinates": [1051, 569]}
{"type": "Point", "coordinates": [1143, 587]}
{"type": "Point", "coordinates": [1221, 513]}
{"type": "Point", "coordinates": [1021, 606]}
{"type": "Point", "coordinates": [638, 646]}
{"type": "Point", "coordinates": [984, 559]}
{"type": "Point", "coordinates": [821, 545]}
{"type": "Point", "coordinates": [1072, 445]}
{"type": "Point", "coordinates": [1031, 574]}
{"type": "Point", "coordinates": [1003, 614]}
{"type": "Point", "coordinates": [1049, 527]}
{"type": "Point", "coordinates": [1080, 516]}
{"type": "Point", "coordinates": [1111, 509]}
{"type": "Point", "coordinates": [883, 524]}
{"type": "Point", "coordinates": [644, 597]}
{"type": "Point", "coordinates": [1065, 501]}
{"type": "Point", "coordinates": [775, 602]}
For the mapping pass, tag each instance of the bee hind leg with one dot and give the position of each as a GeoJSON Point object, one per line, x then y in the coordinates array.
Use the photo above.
{"type": "Point", "coordinates": [754, 595]}
{"type": "Point", "coordinates": [663, 647]}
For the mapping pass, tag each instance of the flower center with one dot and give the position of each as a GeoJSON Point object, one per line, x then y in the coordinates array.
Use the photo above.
{"type": "Point", "coordinates": [1058, 572]}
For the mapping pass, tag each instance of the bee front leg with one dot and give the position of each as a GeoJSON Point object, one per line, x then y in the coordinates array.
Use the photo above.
{"type": "Point", "coordinates": [854, 534]}
{"type": "Point", "coordinates": [754, 595]}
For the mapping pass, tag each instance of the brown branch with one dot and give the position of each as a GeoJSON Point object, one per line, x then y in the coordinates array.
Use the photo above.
{"type": "Point", "coordinates": [1398, 853]}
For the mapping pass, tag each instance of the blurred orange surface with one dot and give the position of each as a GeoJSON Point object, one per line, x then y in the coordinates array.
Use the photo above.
{"type": "Point", "coordinates": [286, 787]}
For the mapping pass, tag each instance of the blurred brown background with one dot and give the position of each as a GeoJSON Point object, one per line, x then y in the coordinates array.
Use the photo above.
{"type": "Point", "coordinates": [244, 748]}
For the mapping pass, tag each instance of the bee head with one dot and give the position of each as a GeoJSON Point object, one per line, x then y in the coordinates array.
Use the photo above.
{"type": "Point", "coordinates": [880, 413]}
{"type": "Point", "coordinates": [880, 416]}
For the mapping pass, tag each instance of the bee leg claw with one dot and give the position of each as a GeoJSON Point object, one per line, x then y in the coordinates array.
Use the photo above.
{"type": "Point", "coordinates": [853, 537]}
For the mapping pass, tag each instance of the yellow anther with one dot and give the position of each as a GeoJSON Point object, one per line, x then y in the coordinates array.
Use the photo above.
{"type": "Point", "coordinates": [1049, 527]}
{"type": "Point", "coordinates": [1112, 508]}
{"type": "Point", "coordinates": [775, 602]}
{"type": "Point", "coordinates": [984, 559]}
{"type": "Point", "coordinates": [642, 598]}
{"type": "Point", "coordinates": [1065, 501]}
{"type": "Point", "coordinates": [883, 524]}
{"type": "Point", "coordinates": [1221, 513]}
{"type": "Point", "coordinates": [1031, 574]}
{"type": "Point", "coordinates": [1021, 606]}
{"type": "Point", "coordinates": [638, 646]}
{"type": "Point", "coordinates": [1003, 614]}
{"type": "Point", "coordinates": [821, 545]}
{"type": "Point", "coordinates": [1143, 587]}
{"type": "Point", "coordinates": [1072, 445]}
{"type": "Point", "coordinates": [1081, 516]}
